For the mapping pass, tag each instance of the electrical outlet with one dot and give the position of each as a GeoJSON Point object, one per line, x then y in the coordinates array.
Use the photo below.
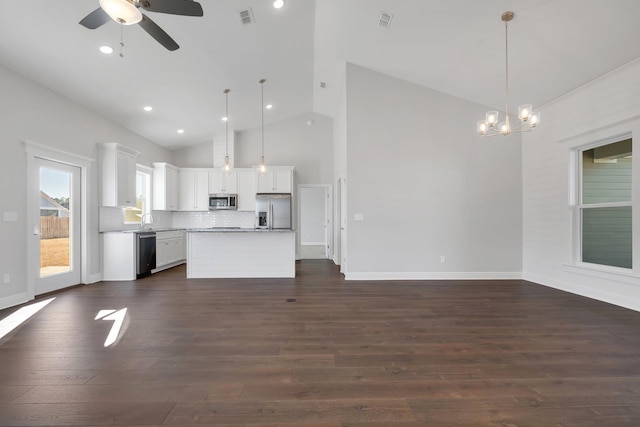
{"type": "Point", "coordinates": [442, 259]}
{"type": "Point", "coordinates": [6, 278]}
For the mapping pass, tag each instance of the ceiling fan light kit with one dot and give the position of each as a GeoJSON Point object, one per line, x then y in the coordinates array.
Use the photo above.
{"type": "Point", "coordinates": [123, 12]}
{"type": "Point", "coordinates": [528, 118]}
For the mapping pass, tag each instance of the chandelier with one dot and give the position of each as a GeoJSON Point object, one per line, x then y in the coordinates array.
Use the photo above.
{"type": "Point", "coordinates": [528, 119]}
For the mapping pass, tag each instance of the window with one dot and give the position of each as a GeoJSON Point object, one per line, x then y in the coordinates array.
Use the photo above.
{"type": "Point", "coordinates": [605, 206]}
{"type": "Point", "coordinates": [143, 205]}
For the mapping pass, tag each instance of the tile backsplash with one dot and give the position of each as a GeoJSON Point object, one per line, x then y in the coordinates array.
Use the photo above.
{"type": "Point", "coordinates": [111, 219]}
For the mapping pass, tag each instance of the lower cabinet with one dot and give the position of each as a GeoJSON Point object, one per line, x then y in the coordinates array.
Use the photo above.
{"type": "Point", "coordinates": [119, 256]}
{"type": "Point", "coordinates": [170, 249]}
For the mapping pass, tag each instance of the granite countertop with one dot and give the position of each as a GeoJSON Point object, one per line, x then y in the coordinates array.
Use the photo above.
{"type": "Point", "coordinates": [140, 230]}
{"type": "Point", "coordinates": [235, 230]}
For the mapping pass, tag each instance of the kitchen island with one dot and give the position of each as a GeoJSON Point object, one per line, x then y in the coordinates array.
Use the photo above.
{"type": "Point", "coordinates": [240, 253]}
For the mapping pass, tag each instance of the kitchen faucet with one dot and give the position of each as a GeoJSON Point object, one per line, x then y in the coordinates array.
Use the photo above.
{"type": "Point", "coordinates": [142, 220]}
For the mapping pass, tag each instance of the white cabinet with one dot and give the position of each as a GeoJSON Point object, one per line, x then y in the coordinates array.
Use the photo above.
{"type": "Point", "coordinates": [193, 190]}
{"type": "Point", "coordinates": [119, 256]}
{"type": "Point", "coordinates": [118, 175]}
{"type": "Point", "coordinates": [278, 179]}
{"type": "Point", "coordinates": [170, 248]}
{"type": "Point", "coordinates": [223, 183]}
{"type": "Point", "coordinates": [165, 187]}
{"type": "Point", "coordinates": [246, 179]}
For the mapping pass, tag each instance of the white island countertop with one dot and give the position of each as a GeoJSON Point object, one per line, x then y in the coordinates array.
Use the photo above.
{"type": "Point", "coordinates": [240, 253]}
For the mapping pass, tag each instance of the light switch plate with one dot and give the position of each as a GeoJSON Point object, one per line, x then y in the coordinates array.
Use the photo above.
{"type": "Point", "coordinates": [10, 216]}
{"type": "Point", "coordinates": [358, 217]}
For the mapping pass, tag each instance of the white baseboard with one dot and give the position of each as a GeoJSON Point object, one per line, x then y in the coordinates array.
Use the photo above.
{"type": "Point", "coordinates": [14, 300]}
{"type": "Point", "coordinates": [167, 266]}
{"type": "Point", "coordinates": [94, 278]}
{"type": "Point", "coordinates": [625, 301]}
{"type": "Point", "coordinates": [426, 275]}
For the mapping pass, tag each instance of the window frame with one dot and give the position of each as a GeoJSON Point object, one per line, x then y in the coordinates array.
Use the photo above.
{"type": "Point", "coordinates": [577, 206]}
{"type": "Point", "coordinates": [146, 206]}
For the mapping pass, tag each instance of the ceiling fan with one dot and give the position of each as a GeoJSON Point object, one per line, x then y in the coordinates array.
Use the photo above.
{"type": "Point", "coordinates": [126, 12]}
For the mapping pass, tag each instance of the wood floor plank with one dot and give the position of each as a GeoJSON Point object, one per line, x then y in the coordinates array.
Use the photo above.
{"type": "Point", "coordinates": [79, 414]}
{"type": "Point", "coordinates": [292, 412]}
{"type": "Point", "coordinates": [234, 352]}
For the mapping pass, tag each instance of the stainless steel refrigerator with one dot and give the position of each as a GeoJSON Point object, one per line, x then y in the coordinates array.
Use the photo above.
{"type": "Point", "coordinates": [273, 211]}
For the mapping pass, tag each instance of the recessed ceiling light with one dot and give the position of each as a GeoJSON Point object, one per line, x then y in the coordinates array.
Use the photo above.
{"type": "Point", "coordinates": [106, 49]}
{"type": "Point", "coordinates": [224, 119]}
{"type": "Point", "coordinates": [278, 4]}
{"type": "Point", "coordinates": [148, 108]}
{"type": "Point", "coordinates": [268, 106]}
{"type": "Point", "coordinates": [180, 130]}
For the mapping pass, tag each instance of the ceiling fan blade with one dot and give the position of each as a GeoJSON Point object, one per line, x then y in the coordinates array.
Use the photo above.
{"type": "Point", "coordinates": [95, 19]}
{"type": "Point", "coordinates": [174, 7]}
{"type": "Point", "coordinates": [157, 33]}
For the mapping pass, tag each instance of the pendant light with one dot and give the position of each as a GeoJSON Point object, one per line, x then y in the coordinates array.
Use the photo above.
{"type": "Point", "coordinates": [263, 167]}
{"type": "Point", "coordinates": [227, 165]}
{"type": "Point", "coordinates": [528, 119]}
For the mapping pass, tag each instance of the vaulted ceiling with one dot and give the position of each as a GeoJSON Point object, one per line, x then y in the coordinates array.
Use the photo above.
{"type": "Point", "coordinates": [454, 46]}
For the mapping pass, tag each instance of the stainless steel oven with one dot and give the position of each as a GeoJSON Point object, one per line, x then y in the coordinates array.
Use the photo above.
{"type": "Point", "coordinates": [146, 253]}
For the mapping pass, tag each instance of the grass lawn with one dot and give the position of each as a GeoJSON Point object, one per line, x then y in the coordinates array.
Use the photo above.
{"type": "Point", "coordinates": [54, 252]}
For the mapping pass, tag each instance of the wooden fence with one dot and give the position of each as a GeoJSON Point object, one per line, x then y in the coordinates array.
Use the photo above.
{"type": "Point", "coordinates": [53, 227]}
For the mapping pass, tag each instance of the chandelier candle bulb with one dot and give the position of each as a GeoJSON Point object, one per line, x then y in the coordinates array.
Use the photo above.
{"type": "Point", "coordinates": [482, 127]}
{"type": "Point", "coordinates": [535, 119]}
{"type": "Point", "coordinates": [524, 112]}
{"type": "Point", "coordinates": [492, 118]}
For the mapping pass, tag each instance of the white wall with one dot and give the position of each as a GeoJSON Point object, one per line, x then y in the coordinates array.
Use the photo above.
{"type": "Point", "coordinates": [292, 143]}
{"type": "Point", "coordinates": [32, 113]}
{"type": "Point", "coordinates": [207, 154]}
{"type": "Point", "coordinates": [427, 185]}
{"type": "Point", "coordinates": [605, 108]}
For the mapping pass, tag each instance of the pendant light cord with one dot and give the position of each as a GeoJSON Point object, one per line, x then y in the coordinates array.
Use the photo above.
{"type": "Point", "coordinates": [226, 123]}
{"type": "Point", "coordinates": [262, 112]}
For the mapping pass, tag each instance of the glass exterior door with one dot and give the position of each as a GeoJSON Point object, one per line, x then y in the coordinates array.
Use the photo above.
{"type": "Point", "coordinates": [58, 228]}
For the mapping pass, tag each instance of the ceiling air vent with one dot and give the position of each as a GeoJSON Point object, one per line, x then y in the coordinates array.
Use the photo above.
{"type": "Point", "coordinates": [384, 20]}
{"type": "Point", "coordinates": [246, 16]}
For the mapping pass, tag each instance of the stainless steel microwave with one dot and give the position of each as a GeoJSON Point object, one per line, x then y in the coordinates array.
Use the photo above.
{"type": "Point", "coordinates": [223, 202]}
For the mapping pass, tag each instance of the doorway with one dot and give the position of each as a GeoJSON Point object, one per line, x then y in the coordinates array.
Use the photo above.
{"type": "Point", "coordinates": [315, 231]}
{"type": "Point", "coordinates": [57, 227]}
{"type": "Point", "coordinates": [341, 234]}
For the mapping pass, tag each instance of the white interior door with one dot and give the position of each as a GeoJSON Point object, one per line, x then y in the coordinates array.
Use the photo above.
{"type": "Point", "coordinates": [314, 229]}
{"type": "Point", "coordinates": [343, 224]}
{"type": "Point", "coordinates": [56, 226]}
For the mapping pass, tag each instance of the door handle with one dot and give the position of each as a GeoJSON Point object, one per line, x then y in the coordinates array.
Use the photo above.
{"type": "Point", "coordinates": [36, 231]}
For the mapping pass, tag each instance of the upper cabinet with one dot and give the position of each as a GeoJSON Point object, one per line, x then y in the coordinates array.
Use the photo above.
{"type": "Point", "coordinates": [223, 183]}
{"type": "Point", "coordinates": [165, 187]}
{"type": "Point", "coordinates": [193, 193]}
{"type": "Point", "coordinates": [277, 179]}
{"type": "Point", "coordinates": [118, 175]}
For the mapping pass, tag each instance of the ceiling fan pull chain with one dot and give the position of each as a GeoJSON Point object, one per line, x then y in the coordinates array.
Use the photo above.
{"type": "Point", "coordinates": [121, 41]}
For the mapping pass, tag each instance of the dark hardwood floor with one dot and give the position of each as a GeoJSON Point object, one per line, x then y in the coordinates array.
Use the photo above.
{"type": "Point", "coordinates": [236, 353]}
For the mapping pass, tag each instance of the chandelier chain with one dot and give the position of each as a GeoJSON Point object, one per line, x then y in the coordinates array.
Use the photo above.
{"type": "Point", "coordinates": [506, 55]}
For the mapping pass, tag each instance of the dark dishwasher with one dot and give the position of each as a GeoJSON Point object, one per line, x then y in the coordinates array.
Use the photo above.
{"type": "Point", "coordinates": [146, 252]}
